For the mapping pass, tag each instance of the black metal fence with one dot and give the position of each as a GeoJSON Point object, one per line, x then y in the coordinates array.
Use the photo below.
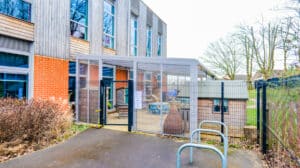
{"type": "Point", "coordinates": [278, 110]}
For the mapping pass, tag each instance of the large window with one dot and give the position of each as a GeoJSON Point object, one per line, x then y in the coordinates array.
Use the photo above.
{"type": "Point", "coordinates": [217, 106]}
{"type": "Point", "coordinates": [16, 8]}
{"type": "Point", "coordinates": [79, 18]}
{"type": "Point", "coordinates": [109, 24]}
{"type": "Point", "coordinates": [13, 85]}
{"type": "Point", "coordinates": [134, 38]}
{"type": "Point", "coordinates": [72, 78]}
{"type": "Point", "coordinates": [149, 42]}
{"type": "Point", "coordinates": [159, 45]}
{"type": "Point", "coordinates": [13, 60]}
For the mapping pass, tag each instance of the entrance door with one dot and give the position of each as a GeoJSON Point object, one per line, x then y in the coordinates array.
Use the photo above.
{"type": "Point", "coordinates": [120, 110]}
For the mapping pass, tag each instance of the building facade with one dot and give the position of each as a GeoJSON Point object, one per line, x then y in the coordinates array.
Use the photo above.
{"type": "Point", "coordinates": [40, 39]}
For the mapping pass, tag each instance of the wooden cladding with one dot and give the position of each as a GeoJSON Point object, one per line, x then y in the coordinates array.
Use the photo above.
{"type": "Point", "coordinates": [78, 46]}
{"type": "Point", "coordinates": [16, 28]}
{"type": "Point", "coordinates": [108, 51]}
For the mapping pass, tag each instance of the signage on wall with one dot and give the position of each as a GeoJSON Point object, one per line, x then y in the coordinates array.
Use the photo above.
{"type": "Point", "coordinates": [138, 100]}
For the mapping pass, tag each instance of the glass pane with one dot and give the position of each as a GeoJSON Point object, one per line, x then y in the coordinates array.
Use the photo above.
{"type": "Point", "coordinates": [107, 72]}
{"type": "Point", "coordinates": [78, 30]}
{"type": "Point", "coordinates": [72, 88]}
{"type": "Point", "coordinates": [109, 8]}
{"type": "Point", "coordinates": [72, 67]}
{"type": "Point", "coordinates": [83, 69]}
{"type": "Point", "coordinates": [13, 60]}
{"type": "Point", "coordinates": [79, 6]}
{"type": "Point", "coordinates": [13, 85]}
{"type": "Point", "coordinates": [108, 24]}
{"type": "Point", "coordinates": [82, 82]}
{"type": "Point", "coordinates": [16, 8]}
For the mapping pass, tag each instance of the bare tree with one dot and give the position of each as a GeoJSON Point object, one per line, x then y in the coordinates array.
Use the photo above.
{"type": "Point", "coordinates": [264, 43]}
{"type": "Point", "coordinates": [243, 35]}
{"type": "Point", "coordinates": [223, 55]}
{"type": "Point", "coordinates": [286, 38]}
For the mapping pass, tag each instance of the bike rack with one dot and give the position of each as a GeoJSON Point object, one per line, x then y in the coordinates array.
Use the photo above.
{"type": "Point", "coordinates": [200, 146]}
{"type": "Point", "coordinates": [192, 145]}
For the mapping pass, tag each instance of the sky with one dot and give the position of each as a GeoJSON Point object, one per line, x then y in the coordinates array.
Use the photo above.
{"type": "Point", "coordinates": [193, 24]}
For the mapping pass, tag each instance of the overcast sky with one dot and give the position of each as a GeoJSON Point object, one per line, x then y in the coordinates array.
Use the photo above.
{"type": "Point", "coordinates": [192, 24]}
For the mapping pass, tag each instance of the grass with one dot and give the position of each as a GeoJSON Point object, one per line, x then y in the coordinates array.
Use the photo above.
{"type": "Point", "coordinates": [251, 116]}
{"type": "Point", "coordinates": [77, 128]}
{"type": "Point", "coordinates": [251, 108]}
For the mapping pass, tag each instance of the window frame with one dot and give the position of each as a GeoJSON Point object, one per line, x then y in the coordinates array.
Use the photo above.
{"type": "Point", "coordinates": [113, 15]}
{"type": "Point", "coordinates": [20, 71]}
{"type": "Point", "coordinates": [159, 45]}
{"type": "Point", "coordinates": [81, 24]}
{"type": "Point", "coordinates": [73, 75]}
{"type": "Point", "coordinates": [226, 106]}
{"type": "Point", "coordinates": [149, 39]}
{"type": "Point", "coordinates": [134, 29]}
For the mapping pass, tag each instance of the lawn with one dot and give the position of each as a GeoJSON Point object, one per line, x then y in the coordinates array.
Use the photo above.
{"type": "Point", "coordinates": [251, 108]}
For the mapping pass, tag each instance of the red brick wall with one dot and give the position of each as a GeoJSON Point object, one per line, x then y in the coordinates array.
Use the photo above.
{"type": "Point", "coordinates": [51, 77]}
{"type": "Point", "coordinates": [121, 75]}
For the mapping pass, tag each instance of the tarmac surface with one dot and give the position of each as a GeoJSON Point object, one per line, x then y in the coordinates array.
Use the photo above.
{"type": "Point", "coordinates": [104, 148]}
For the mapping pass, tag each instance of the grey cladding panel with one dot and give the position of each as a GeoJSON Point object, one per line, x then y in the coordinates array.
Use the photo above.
{"type": "Point", "coordinates": [14, 44]}
{"type": "Point", "coordinates": [135, 7]}
{"type": "Point", "coordinates": [149, 17]}
{"type": "Point", "coordinates": [160, 27]}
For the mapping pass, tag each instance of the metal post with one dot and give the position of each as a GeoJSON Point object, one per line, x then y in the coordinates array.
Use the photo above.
{"type": "Point", "coordinates": [258, 113]}
{"type": "Point", "coordinates": [264, 119]}
{"type": "Point", "coordinates": [130, 104]}
{"type": "Point", "coordinates": [102, 102]}
{"type": "Point", "coordinates": [222, 108]}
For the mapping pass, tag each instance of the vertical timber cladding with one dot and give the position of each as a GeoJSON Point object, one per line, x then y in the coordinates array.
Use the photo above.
{"type": "Point", "coordinates": [51, 48]}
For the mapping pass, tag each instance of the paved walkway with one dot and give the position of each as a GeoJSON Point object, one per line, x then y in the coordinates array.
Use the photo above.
{"type": "Point", "coordinates": [103, 148]}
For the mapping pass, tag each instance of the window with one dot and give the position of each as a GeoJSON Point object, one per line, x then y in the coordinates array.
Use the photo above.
{"type": "Point", "coordinates": [13, 60]}
{"type": "Point", "coordinates": [159, 47]}
{"type": "Point", "coordinates": [72, 78]}
{"type": "Point", "coordinates": [13, 85]}
{"type": "Point", "coordinates": [149, 42]}
{"type": "Point", "coordinates": [79, 19]}
{"type": "Point", "coordinates": [217, 105]}
{"type": "Point", "coordinates": [16, 8]}
{"type": "Point", "coordinates": [108, 74]}
{"type": "Point", "coordinates": [134, 33]}
{"type": "Point", "coordinates": [109, 25]}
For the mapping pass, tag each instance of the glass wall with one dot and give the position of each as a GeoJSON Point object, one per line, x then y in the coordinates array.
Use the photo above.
{"type": "Point", "coordinates": [16, 8]}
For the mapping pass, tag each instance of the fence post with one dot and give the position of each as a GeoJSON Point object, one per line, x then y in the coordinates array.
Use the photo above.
{"type": "Point", "coordinates": [130, 104]}
{"type": "Point", "coordinates": [264, 119]}
{"type": "Point", "coordinates": [102, 102]}
{"type": "Point", "coordinates": [258, 112]}
{"type": "Point", "coordinates": [222, 108]}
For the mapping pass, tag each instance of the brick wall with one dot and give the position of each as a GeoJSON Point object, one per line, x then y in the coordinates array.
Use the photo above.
{"type": "Point", "coordinates": [50, 77]}
{"type": "Point", "coordinates": [235, 118]}
{"type": "Point", "coordinates": [121, 75]}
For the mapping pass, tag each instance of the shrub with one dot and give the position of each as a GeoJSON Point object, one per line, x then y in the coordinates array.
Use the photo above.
{"type": "Point", "coordinates": [33, 120]}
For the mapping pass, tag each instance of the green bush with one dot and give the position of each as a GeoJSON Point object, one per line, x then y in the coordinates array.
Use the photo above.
{"type": "Point", "coordinates": [34, 120]}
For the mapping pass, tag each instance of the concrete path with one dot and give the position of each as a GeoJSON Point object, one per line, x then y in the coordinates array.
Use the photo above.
{"type": "Point", "coordinates": [103, 148]}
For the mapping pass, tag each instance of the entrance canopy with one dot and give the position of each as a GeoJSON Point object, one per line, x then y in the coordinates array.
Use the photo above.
{"type": "Point", "coordinates": [155, 80]}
